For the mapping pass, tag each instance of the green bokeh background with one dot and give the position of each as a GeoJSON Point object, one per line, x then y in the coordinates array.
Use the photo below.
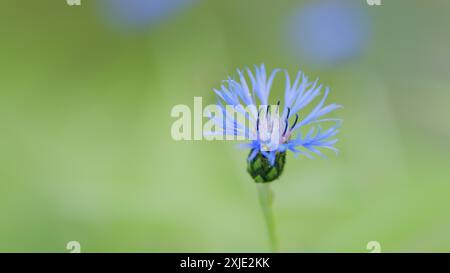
{"type": "Point", "coordinates": [86, 152]}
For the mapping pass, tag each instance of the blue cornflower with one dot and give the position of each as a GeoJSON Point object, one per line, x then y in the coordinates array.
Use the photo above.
{"type": "Point", "coordinates": [325, 33]}
{"type": "Point", "coordinates": [138, 14]}
{"type": "Point", "coordinates": [272, 134]}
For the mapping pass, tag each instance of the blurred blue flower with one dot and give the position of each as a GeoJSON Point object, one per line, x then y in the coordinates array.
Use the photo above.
{"type": "Point", "coordinates": [139, 14]}
{"type": "Point", "coordinates": [272, 134]}
{"type": "Point", "coordinates": [326, 33]}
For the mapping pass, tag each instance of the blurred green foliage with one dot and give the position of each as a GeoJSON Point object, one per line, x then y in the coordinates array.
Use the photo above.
{"type": "Point", "coordinates": [86, 152]}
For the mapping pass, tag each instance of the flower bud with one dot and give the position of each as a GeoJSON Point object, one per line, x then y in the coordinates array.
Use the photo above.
{"type": "Point", "coordinates": [262, 171]}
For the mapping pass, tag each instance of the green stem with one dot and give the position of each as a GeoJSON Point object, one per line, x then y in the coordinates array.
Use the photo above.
{"type": "Point", "coordinates": [266, 199]}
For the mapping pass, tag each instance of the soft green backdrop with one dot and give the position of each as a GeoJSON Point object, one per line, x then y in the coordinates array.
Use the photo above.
{"type": "Point", "coordinates": [86, 152]}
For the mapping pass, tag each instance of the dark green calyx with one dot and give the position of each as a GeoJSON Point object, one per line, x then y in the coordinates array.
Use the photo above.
{"type": "Point", "coordinates": [260, 169]}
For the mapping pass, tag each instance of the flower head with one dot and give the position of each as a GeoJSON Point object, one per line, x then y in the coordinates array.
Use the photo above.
{"type": "Point", "coordinates": [275, 129]}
